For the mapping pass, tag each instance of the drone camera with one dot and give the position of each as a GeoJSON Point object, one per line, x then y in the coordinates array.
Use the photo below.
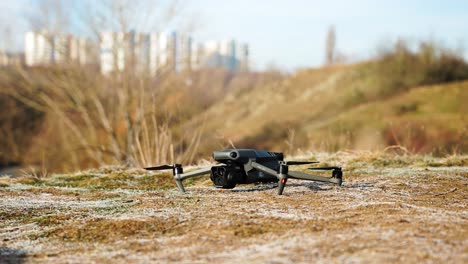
{"type": "Point", "coordinates": [338, 174]}
{"type": "Point", "coordinates": [225, 177]}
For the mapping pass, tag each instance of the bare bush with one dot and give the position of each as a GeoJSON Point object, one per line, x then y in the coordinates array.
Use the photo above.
{"type": "Point", "coordinates": [91, 120]}
{"type": "Point", "coordinates": [400, 68]}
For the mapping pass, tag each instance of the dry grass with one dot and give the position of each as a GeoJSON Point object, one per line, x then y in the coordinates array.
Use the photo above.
{"type": "Point", "coordinates": [391, 208]}
{"type": "Point", "coordinates": [94, 120]}
{"type": "Point", "coordinates": [412, 99]}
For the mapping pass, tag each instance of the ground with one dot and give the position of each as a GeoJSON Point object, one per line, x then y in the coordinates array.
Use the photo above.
{"type": "Point", "coordinates": [391, 208]}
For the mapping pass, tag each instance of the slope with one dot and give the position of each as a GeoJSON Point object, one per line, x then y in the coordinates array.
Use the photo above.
{"type": "Point", "coordinates": [370, 105]}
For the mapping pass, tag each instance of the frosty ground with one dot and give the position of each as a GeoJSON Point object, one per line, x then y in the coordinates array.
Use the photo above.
{"type": "Point", "coordinates": [391, 208]}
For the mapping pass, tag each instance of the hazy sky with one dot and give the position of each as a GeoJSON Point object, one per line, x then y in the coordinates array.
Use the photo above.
{"type": "Point", "coordinates": [291, 33]}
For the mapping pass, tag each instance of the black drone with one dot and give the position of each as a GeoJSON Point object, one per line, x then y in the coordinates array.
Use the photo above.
{"type": "Point", "coordinates": [244, 166]}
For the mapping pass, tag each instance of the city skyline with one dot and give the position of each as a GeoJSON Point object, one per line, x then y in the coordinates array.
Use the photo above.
{"type": "Point", "coordinates": [291, 34]}
{"type": "Point", "coordinates": [140, 52]}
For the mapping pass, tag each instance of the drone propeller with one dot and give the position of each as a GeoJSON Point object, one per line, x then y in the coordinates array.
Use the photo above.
{"type": "Point", "coordinates": [176, 171]}
{"type": "Point", "coordinates": [325, 168]}
{"type": "Point", "coordinates": [299, 162]}
{"type": "Point", "coordinates": [163, 167]}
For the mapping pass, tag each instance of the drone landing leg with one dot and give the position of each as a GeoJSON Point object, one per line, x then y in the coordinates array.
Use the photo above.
{"type": "Point", "coordinates": [282, 175]}
{"type": "Point", "coordinates": [179, 174]}
{"type": "Point", "coordinates": [179, 177]}
{"type": "Point", "coordinates": [283, 178]}
{"type": "Point", "coordinates": [178, 171]}
{"type": "Point", "coordinates": [179, 185]}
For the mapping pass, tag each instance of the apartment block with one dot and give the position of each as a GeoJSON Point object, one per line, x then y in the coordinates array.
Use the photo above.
{"type": "Point", "coordinates": [44, 48]}
{"type": "Point", "coordinates": [38, 48]}
{"type": "Point", "coordinates": [139, 52]}
{"type": "Point", "coordinates": [228, 55]}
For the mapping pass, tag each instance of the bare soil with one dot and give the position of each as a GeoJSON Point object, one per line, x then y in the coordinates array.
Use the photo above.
{"type": "Point", "coordinates": [415, 213]}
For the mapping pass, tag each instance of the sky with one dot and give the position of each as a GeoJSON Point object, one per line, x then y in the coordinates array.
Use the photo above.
{"type": "Point", "coordinates": [290, 34]}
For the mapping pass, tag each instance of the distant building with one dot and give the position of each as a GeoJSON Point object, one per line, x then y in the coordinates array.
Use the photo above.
{"type": "Point", "coordinates": [243, 55]}
{"type": "Point", "coordinates": [108, 57]}
{"type": "Point", "coordinates": [195, 56]}
{"type": "Point", "coordinates": [43, 48]}
{"type": "Point", "coordinates": [38, 48]}
{"type": "Point", "coordinates": [185, 49]}
{"type": "Point", "coordinates": [153, 53]}
{"type": "Point", "coordinates": [82, 51]}
{"type": "Point", "coordinates": [225, 54]}
{"type": "Point", "coordinates": [171, 50]}
{"type": "Point", "coordinates": [166, 53]}
{"type": "Point", "coordinates": [139, 52]}
{"type": "Point", "coordinates": [210, 57]}
{"type": "Point", "coordinates": [60, 49]}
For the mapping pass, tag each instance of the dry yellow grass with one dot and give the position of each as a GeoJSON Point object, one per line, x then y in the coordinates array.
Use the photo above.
{"type": "Point", "coordinates": [390, 209]}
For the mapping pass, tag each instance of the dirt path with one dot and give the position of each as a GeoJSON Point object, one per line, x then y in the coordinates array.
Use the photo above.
{"type": "Point", "coordinates": [410, 215]}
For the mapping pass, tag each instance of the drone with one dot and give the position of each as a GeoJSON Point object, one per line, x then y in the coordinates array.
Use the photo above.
{"type": "Point", "coordinates": [246, 166]}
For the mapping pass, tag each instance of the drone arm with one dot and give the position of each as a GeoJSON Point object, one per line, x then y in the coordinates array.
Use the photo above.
{"type": "Point", "coordinates": [199, 172]}
{"type": "Point", "coordinates": [182, 176]}
{"type": "Point", "coordinates": [305, 176]}
{"type": "Point", "coordinates": [282, 175]}
{"type": "Point", "coordinates": [265, 169]}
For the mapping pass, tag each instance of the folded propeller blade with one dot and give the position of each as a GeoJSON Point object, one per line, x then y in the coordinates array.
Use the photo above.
{"type": "Point", "coordinates": [325, 168]}
{"type": "Point", "coordinates": [300, 162]}
{"type": "Point", "coordinates": [161, 167]}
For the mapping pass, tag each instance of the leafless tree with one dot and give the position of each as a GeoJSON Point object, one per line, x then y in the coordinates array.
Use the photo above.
{"type": "Point", "coordinates": [109, 119]}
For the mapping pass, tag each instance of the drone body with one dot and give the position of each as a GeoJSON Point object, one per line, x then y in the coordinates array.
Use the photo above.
{"type": "Point", "coordinates": [237, 169]}
{"type": "Point", "coordinates": [244, 166]}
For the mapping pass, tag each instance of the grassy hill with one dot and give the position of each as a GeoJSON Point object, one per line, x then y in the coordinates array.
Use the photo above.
{"type": "Point", "coordinates": [413, 99]}
{"type": "Point", "coordinates": [402, 98]}
{"type": "Point", "coordinates": [424, 119]}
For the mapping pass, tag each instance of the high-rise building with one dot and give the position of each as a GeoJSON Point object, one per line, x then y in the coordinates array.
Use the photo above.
{"type": "Point", "coordinates": [153, 53]}
{"type": "Point", "coordinates": [38, 48]}
{"type": "Point", "coordinates": [108, 56]}
{"type": "Point", "coordinates": [227, 55]}
{"type": "Point", "coordinates": [173, 54]}
{"type": "Point", "coordinates": [162, 50]}
{"type": "Point", "coordinates": [82, 51]}
{"type": "Point", "coordinates": [166, 52]}
{"type": "Point", "coordinates": [43, 48]}
{"type": "Point", "coordinates": [211, 57]}
{"type": "Point", "coordinates": [185, 55]}
{"type": "Point", "coordinates": [61, 49]}
{"type": "Point", "coordinates": [196, 56]}
{"type": "Point", "coordinates": [243, 57]}
{"type": "Point", "coordinates": [138, 52]}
